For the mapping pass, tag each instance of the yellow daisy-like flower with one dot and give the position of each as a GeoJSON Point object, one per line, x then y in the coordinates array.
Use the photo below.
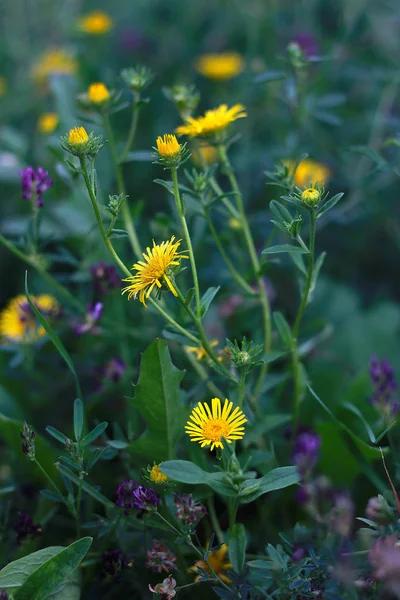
{"type": "Point", "coordinates": [78, 136]}
{"type": "Point", "coordinates": [95, 23]}
{"type": "Point", "coordinates": [98, 93]}
{"type": "Point", "coordinates": [47, 123]}
{"type": "Point", "coordinates": [200, 352]}
{"type": "Point", "coordinates": [54, 62]}
{"type": "Point", "coordinates": [308, 171]}
{"type": "Point", "coordinates": [155, 271]}
{"type": "Point", "coordinates": [218, 561]}
{"type": "Point", "coordinates": [209, 426]}
{"type": "Point", "coordinates": [3, 85]}
{"type": "Point", "coordinates": [221, 66]}
{"type": "Point", "coordinates": [213, 121]}
{"type": "Point", "coordinates": [157, 476]}
{"type": "Point", "coordinates": [168, 146]}
{"type": "Point", "coordinates": [18, 322]}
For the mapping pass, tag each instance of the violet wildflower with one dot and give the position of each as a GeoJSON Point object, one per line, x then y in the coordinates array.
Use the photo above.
{"type": "Point", "coordinates": [383, 380]}
{"type": "Point", "coordinates": [24, 528]}
{"type": "Point", "coordinates": [130, 495]}
{"type": "Point", "coordinates": [298, 555]}
{"type": "Point", "coordinates": [3, 594]}
{"type": "Point", "coordinates": [160, 558]}
{"type": "Point", "coordinates": [28, 441]}
{"type": "Point", "coordinates": [112, 563]}
{"type": "Point", "coordinates": [104, 278]}
{"type": "Point", "coordinates": [125, 495]}
{"type": "Point", "coordinates": [308, 43]}
{"type": "Point", "coordinates": [34, 183]}
{"type": "Point", "coordinates": [166, 588]}
{"type": "Point", "coordinates": [188, 509]}
{"type": "Point", "coordinates": [384, 556]}
{"type": "Point", "coordinates": [93, 315]}
{"type": "Point", "coordinates": [305, 450]}
{"type": "Point", "coordinates": [114, 369]}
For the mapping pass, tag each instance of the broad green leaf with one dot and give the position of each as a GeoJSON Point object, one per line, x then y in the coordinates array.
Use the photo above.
{"type": "Point", "coordinates": [157, 398]}
{"type": "Point", "coordinates": [237, 547]}
{"type": "Point", "coordinates": [70, 589]}
{"type": "Point", "coordinates": [54, 337]}
{"type": "Point", "coordinates": [284, 248]}
{"type": "Point", "coordinates": [185, 471]}
{"type": "Point", "coordinates": [48, 578]}
{"type": "Point", "coordinates": [16, 572]}
{"type": "Point", "coordinates": [274, 480]}
{"type": "Point", "coordinates": [207, 298]}
{"type": "Point", "coordinates": [283, 328]}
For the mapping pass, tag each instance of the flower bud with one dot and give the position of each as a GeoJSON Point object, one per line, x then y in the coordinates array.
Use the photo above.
{"type": "Point", "coordinates": [311, 197]}
{"type": "Point", "coordinates": [379, 511]}
{"type": "Point", "coordinates": [98, 93]}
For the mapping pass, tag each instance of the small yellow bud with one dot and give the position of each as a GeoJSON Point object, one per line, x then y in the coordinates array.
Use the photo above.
{"type": "Point", "coordinates": [235, 223]}
{"type": "Point", "coordinates": [78, 137]}
{"type": "Point", "coordinates": [98, 93]}
{"type": "Point", "coordinates": [168, 146]}
{"type": "Point", "coordinates": [47, 122]}
{"type": "Point", "coordinates": [157, 476]}
{"type": "Point", "coordinates": [311, 196]}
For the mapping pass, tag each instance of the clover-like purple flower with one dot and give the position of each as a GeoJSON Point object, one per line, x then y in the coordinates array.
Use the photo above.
{"type": "Point", "coordinates": [34, 182]}
{"type": "Point", "coordinates": [25, 528]}
{"type": "Point", "coordinates": [130, 495]}
{"type": "Point", "coordinates": [383, 380]}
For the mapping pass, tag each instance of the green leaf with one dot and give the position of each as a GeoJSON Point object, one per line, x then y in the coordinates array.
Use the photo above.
{"type": "Point", "coordinates": [207, 298]}
{"type": "Point", "coordinates": [270, 76]}
{"type": "Point", "coordinates": [16, 572]}
{"type": "Point", "coordinates": [157, 398]}
{"type": "Point", "coordinates": [328, 205]}
{"type": "Point", "coordinates": [86, 487]}
{"type": "Point", "coordinates": [237, 547]}
{"type": "Point", "coordinates": [48, 578]}
{"type": "Point", "coordinates": [168, 186]}
{"type": "Point", "coordinates": [280, 212]}
{"type": "Point", "coordinates": [185, 471]}
{"type": "Point", "coordinates": [70, 589]}
{"type": "Point", "coordinates": [57, 434]}
{"type": "Point", "coordinates": [299, 262]}
{"type": "Point", "coordinates": [283, 328]}
{"type": "Point", "coordinates": [284, 248]}
{"type": "Point", "coordinates": [54, 337]}
{"type": "Point", "coordinates": [95, 433]}
{"type": "Point", "coordinates": [274, 480]}
{"type": "Point", "coordinates": [78, 419]}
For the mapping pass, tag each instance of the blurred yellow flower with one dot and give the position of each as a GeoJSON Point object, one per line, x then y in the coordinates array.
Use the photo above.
{"type": "Point", "coordinates": [95, 23]}
{"type": "Point", "coordinates": [213, 121]}
{"type": "Point", "coordinates": [220, 66]}
{"type": "Point", "coordinates": [200, 352]}
{"type": "Point", "coordinates": [157, 476]}
{"type": "Point", "coordinates": [47, 122]}
{"type": "Point", "coordinates": [235, 223]}
{"type": "Point", "coordinates": [78, 136]}
{"type": "Point", "coordinates": [308, 172]}
{"type": "Point", "coordinates": [168, 146]}
{"type": "Point", "coordinates": [218, 561]}
{"type": "Point", "coordinates": [54, 62]}
{"type": "Point", "coordinates": [18, 322]}
{"type": "Point", "coordinates": [208, 153]}
{"type": "Point", "coordinates": [3, 86]}
{"type": "Point", "coordinates": [155, 271]}
{"type": "Point", "coordinates": [98, 93]}
{"type": "Point", "coordinates": [212, 426]}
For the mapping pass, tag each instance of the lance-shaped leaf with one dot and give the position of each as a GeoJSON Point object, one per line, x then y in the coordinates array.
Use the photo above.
{"type": "Point", "coordinates": [157, 398]}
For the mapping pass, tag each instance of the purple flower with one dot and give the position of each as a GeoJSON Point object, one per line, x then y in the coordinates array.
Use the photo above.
{"type": "Point", "coordinates": [160, 558]}
{"type": "Point", "coordinates": [93, 314]}
{"type": "Point", "coordinates": [308, 43]}
{"type": "Point", "coordinates": [383, 380]}
{"type": "Point", "coordinates": [104, 278]}
{"type": "Point", "coordinates": [145, 498]}
{"type": "Point", "coordinates": [130, 495]}
{"type": "Point", "coordinates": [3, 594]}
{"type": "Point", "coordinates": [112, 563]}
{"type": "Point", "coordinates": [34, 182]}
{"type": "Point", "coordinates": [188, 509]}
{"type": "Point", "coordinates": [125, 495]}
{"type": "Point", "coordinates": [114, 369]}
{"type": "Point", "coordinates": [384, 556]}
{"type": "Point", "coordinates": [24, 528]}
{"type": "Point", "coordinates": [305, 450]}
{"type": "Point", "coordinates": [298, 555]}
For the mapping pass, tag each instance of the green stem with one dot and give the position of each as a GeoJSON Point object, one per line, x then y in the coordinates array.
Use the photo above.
{"type": "Point", "coordinates": [214, 520]}
{"type": "Point", "coordinates": [55, 486]}
{"type": "Point", "coordinates": [188, 240]}
{"type": "Point", "coordinates": [266, 312]}
{"type": "Point", "coordinates": [117, 259]}
{"type": "Point", "coordinates": [78, 503]}
{"type": "Point", "coordinates": [133, 127]}
{"type": "Point", "coordinates": [296, 327]}
{"type": "Point", "coordinates": [128, 223]}
{"type": "Point", "coordinates": [242, 384]}
{"type": "Point", "coordinates": [235, 274]}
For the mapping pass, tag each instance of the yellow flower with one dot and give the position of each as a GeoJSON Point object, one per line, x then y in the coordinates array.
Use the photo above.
{"type": "Point", "coordinates": [168, 146]}
{"type": "Point", "coordinates": [211, 426]}
{"type": "Point", "coordinates": [54, 62]}
{"type": "Point", "coordinates": [201, 352]}
{"type": "Point", "coordinates": [3, 85]}
{"type": "Point", "coordinates": [213, 121]}
{"type": "Point", "coordinates": [18, 322]}
{"type": "Point", "coordinates": [47, 122]}
{"type": "Point", "coordinates": [95, 23]}
{"type": "Point", "coordinates": [235, 223]}
{"type": "Point", "coordinates": [208, 153]}
{"type": "Point", "coordinates": [308, 171]}
{"type": "Point", "coordinates": [220, 66]}
{"type": "Point", "coordinates": [155, 271]}
{"type": "Point", "coordinates": [78, 137]}
{"type": "Point", "coordinates": [98, 93]}
{"type": "Point", "coordinates": [157, 476]}
{"type": "Point", "coordinates": [310, 196]}
{"type": "Point", "coordinates": [218, 562]}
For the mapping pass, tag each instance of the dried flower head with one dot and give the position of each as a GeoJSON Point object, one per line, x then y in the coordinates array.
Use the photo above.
{"type": "Point", "coordinates": [25, 528]}
{"type": "Point", "coordinates": [95, 23]}
{"type": "Point", "coordinates": [188, 510]}
{"type": "Point", "coordinates": [166, 588]}
{"type": "Point", "coordinates": [210, 427]}
{"type": "Point", "coordinates": [18, 322]}
{"type": "Point", "coordinates": [161, 558]}
{"type": "Point", "coordinates": [221, 67]}
{"type": "Point", "coordinates": [47, 123]}
{"type": "Point", "coordinates": [157, 271]}
{"type": "Point", "coordinates": [213, 123]}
